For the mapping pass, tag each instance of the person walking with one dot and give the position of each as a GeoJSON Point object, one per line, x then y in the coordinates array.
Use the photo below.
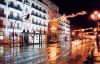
{"type": "Point", "coordinates": [97, 41]}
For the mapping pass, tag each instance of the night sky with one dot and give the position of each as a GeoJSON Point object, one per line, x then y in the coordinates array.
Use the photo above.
{"type": "Point", "coordinates": [75, 6]}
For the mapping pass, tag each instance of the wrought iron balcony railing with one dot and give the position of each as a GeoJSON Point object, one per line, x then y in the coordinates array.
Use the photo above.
{"type": "Point", "coordinates": [18, 18]}
{"type": "Point", "coordinates": [11, 4]}
{"type": "Point", "coordinates": [20, 0]}
{"type": "Point", "coordinates": [2, 2]}
{"type": "Point", "coordinates": [2, 14]}
{"type": "Point", "coordinates": [11, 17]}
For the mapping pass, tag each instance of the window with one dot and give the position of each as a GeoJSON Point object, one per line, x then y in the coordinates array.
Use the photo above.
{"type": "Point", "coordinates": [32, 5]}
{"type": "Point", "coordinates": [11, 13]}
{"type": "Point", "coordinates": [18, 6]}
{"type": "Point", "coordinates": [33, 29]}
{"type": "Point", "coordinates": [36, 7]}
{"type": "Point", "coordinates": [40, 15]}
{"type": "Point", "coordinates": [32, 13]}
{"type": "Point", "coordinates": [33, 21]}
{"type": "Point", "coordinates": [36, 14]}
{"type": "Point", "coordinates": [36, 20]}
{"type": "Point", "coordinates": [26, 1]}
{"type": "Point", "coordinates": [44, 11]}
{"type": "Point", "coordinates": [44, 17]}
{"type": "Point", "coordinates": [18, 26]}
{"type": "Point", "coordinates": [11, 24]}
{"type": "Point", "coordinates": [1, 35]}
{"type": "Point", "coordinates": [40, 9]}
{"type": "Point", "coordinates": [11, 4]}
{"type": "Point", "coordinates": [26, 10]}
{"type": "Point", "coordinates": [20, 0]}
{"type": "Point", "coordinates": [1, 10]}
{"type": "Point", "coordinates": [18, 15]}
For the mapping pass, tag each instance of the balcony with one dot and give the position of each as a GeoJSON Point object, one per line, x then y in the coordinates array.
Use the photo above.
{"type": "Point", "coordinates": [11, 27]}
{"type": "Point", "coordinates": [20, 0]}
{"type": "Point", "coordinates": [32, 13]}
{"type": "Point", "coordinates": [2, 14]}
{"type": "Point", "coordinates": [26, 2]}
{"type": "Point", "coordinates": [11, 4]}
{"type": "Point", "coordinates": [44, 11]}
{"type": "Point", "coordinates": [61, 24]}
{"type": "Point", "coordinates": [2, 2]}
{"type": "Point", "coordinates": [45, 25]}
{"type": "Point", "coordinates": [18, 18]}
{"type": "Point", "coordinates": [34, 23]}
{"type": "Point", "coordinates": [43, 17]}
{"type": "Point", "coordinates": [11, 17]}
{"type": "Point", "coordinates": [38, 8]}
{"type": "Point", "coordinates": [4, 26]}
{"type": "Point", "coordinates": [17, 27]}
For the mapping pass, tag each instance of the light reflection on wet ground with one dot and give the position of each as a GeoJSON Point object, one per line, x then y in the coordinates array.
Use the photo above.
{"type": "Point", "coordinates": [49, 54]}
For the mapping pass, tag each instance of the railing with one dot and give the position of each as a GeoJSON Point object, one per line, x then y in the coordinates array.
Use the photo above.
{"type": "Point", "coordinates": [26, 2]}
{"type": "Point", "coordinates": [45, 25]}
{"type": "Point", "coordinates": [15, 18]}
{"type": "Point", "coordinates": [18, 18]}
{"type": "Point", "coordinates": [35, 14]}
{"type": "Point", "coordinates": [11, 17]}
{"type": "Point", "coordinates": [11, 4]}
{"type": "Point", "coordinates": [61, 24]}
{"type": "Point", "coordinates": [39, 24]}
{"type": "Point", "coordinates": [32, 13]}
{"type": "Point", "coordinates": [11, 27]}
{"type": "Point", "coordinates": [2, 26]}
{"type": "Point", "coordinates": [2, 14]}
{"type": "Point", "coordinates": [38, 8]}
{"type": "Point", "coordinates": [20, 0]}
{"type": "Point", "coordinates": [19, 28]}
{"type": "Point", "coordinates": [2, 2]}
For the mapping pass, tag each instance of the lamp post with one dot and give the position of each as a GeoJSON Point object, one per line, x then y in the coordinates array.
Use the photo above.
{"type": "Point", "coordinates": [96, 17]}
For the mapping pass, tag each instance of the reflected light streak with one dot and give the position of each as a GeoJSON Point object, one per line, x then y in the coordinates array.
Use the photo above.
{"type": "Point", "coordinates": [53, 53]}
{"type": "Point", "coordinates": [92, 16]}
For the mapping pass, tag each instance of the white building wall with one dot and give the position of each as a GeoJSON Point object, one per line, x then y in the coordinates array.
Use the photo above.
{"type": "Point", "coordinates": [25, 24]}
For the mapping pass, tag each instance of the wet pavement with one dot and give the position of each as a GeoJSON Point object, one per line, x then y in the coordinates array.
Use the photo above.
{"type": "Point", "coordinates": [55, 53]}
{"type": "Point", "coordinates": [45, 54]}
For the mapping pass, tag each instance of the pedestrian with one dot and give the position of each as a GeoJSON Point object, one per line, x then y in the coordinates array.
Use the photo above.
{"type": "Point", "coordinates": [97, 41]}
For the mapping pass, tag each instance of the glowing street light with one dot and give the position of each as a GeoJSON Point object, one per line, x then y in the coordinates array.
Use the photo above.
{"type": "Point", "coordinates": [53, 28]}
{"type": "Point", "coordinates": [96, 16]}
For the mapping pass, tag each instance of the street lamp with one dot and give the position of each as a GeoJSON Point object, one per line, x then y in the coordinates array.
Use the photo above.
{"type": "Point", "coordinates": [96, 16]}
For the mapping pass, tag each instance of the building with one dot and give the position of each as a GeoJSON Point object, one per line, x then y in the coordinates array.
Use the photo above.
{"type": "Point", "coordinates": [53, 10]}
{"type": "Point", "coordinates": [64, 31]}
{"type": "Point", "coordinates": [13, 14]}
